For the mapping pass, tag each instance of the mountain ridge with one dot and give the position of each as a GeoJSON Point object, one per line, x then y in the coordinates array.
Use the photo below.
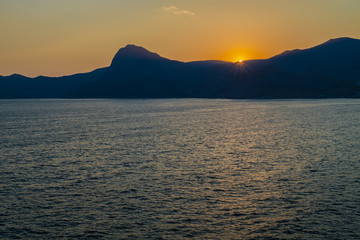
{"type": "Point", "coordinates": [330, 69]}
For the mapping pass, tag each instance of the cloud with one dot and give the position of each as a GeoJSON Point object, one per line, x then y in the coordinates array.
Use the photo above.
{"type": "Point", "coordinates": [178, 11]}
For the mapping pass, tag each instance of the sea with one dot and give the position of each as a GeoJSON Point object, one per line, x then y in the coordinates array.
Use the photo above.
{"type": "Point", "coordinates": [179, 169]}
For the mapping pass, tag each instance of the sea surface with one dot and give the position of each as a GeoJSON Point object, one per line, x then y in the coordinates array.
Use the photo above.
{"type": "Point", "coordinates": [179, 169]}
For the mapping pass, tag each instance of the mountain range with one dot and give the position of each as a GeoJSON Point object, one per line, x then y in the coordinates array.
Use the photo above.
{"type": "Point", "coordinates": [329, 70]}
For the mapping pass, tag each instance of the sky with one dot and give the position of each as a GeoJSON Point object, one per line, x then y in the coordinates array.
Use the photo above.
{"type": "Point", "coordinates": [62, 37]}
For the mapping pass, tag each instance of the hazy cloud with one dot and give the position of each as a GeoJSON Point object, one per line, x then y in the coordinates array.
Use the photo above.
{"type": "Point", "coordinates": [178, 11]}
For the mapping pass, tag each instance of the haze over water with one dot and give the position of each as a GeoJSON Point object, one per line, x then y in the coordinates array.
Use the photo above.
{"type": "Point", "coordinates": [184, 168]}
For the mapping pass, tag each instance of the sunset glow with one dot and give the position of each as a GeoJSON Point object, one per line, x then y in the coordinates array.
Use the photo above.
{"type": "Point", "coordinates": [63, 37]}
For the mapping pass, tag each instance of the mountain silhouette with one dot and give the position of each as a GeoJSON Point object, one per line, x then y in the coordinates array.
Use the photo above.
{"type": "Point", "coordinates": [138, 73]}
{"type": "Point", "coordinates": [334, 57]}
{"type": "Point", "coordinates": [135, 53]}
{"type": "Point", "coordinates": [331, 69]}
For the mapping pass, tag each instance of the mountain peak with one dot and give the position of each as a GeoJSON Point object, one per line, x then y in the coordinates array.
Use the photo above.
{"type": "Point", "coordinates": [16, 75]}
{"type": "Point", "coordinates": [132, 51]}
{"type": "Point", "coordinates": [341, 43]}
{"type": "Point", "coordinates": [134, 48]}
{"type": "Point", "coordinates": [338, 40]}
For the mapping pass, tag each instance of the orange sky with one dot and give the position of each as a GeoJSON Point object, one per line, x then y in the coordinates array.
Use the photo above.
{"type": "Point", "coordinates": [59, 37]}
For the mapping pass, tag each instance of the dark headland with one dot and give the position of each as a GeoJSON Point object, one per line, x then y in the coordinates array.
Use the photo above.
{"type": "Point", "coordinates": [329, 70]}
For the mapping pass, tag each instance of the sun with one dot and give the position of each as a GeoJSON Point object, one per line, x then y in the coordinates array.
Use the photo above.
{"type": "Point", "coordinates": [240, 61]}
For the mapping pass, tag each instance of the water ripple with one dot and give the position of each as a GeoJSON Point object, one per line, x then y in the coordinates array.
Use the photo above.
{"type": "Point", "coordinates": [178, 169]}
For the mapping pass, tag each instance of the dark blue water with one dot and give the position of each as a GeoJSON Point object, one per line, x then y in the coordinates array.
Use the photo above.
{"type": "Point", "coordinates": [177, 169]}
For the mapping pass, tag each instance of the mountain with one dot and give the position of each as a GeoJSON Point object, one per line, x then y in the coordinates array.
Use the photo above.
{"type": "Point", "coordinates": [138, 73]}
{"type": "Point", "coordinates": [336, 57]}
{"type": "Point", "coordinates": [18, 86]}
{"type": "Point", "coordinates": [331, 69]}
